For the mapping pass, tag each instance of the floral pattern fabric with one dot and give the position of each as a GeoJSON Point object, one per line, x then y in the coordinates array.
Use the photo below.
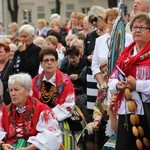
{"type": "Point", "coordinates": [38, 122]}
{"type": "Point", "coordinates": [63, 98]}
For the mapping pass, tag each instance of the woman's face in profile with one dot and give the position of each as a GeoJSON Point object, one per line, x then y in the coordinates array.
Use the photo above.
{"type": "Point", "coordinates": [18, 94]}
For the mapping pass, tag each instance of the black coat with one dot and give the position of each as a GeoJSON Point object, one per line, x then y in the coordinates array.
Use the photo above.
{"type": "Point", "coordinates": [29, 60]}
{"type": "Point", "coordinates": [79, 84]}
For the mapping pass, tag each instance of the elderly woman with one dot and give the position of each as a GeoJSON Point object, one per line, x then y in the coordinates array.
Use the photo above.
{"type": "Point", "coordinates": [40, 41]}
{"type": "Point", "coordinates": [27, 122]}
{"type": "Point", "coordinates": [55, 89]}
{"type": "Point", "coordinates": [135, 64]}
{"type": "Point", "coordinates": [26, 57]}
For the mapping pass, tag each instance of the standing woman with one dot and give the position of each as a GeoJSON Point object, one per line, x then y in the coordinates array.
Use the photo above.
{"type": "Point", "coordinates": [96, 17]}
{"type": "Point", "coordinates": [135, 63]}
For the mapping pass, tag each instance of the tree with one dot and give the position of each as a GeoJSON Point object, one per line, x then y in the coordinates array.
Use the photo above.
{"type": "Point", "coordinates": [112, 3]}
{"type": "Point", "coordinates": [58, 6]}
{"type": "Point", "coordinates": [13, 10]}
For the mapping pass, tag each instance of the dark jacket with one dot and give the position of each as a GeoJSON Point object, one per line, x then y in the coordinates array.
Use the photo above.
{"type": "Point", "coordinates": [29, 60]}
{"type": "Point", "coordinates": [79, 85]}
{"type": "Point", "coordinates": [4, 75]}
{"type": "Point", "coordinates": [60, 36]}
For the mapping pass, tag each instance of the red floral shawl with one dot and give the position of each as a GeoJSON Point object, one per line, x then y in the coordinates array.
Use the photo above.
{"type": "Point", "coordinates": [33, 110]}
{"type": "Point", "coordinates": [128, 64]}
{"type": "Point", "coordinates": [63, 84]}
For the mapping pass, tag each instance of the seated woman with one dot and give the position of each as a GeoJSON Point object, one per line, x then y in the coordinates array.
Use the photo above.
{"type": "Point", "coordinates": [73, 69]}
{"type": "Point", "coordinates": [55, 89]}
{"type": "Point", "coordinates": [26, 123]}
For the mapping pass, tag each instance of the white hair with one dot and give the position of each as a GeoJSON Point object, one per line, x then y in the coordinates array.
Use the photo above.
{"type": "Point", "coordinates": [22, 78]}
{"type": "Point", "coordinates": [13, 46]}
{"type": "Point", "coordinates": [72, 36]}
{"type": "Point", "coordinates": [54, 16]}
{"type": "Point", "coordinates": [27, 28]}
{"type": "Point", "coordinates": [97, 11]}
{"type": "Point", "coordinates": [40, 41]}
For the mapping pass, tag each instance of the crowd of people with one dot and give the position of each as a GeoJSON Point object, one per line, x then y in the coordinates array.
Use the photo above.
{"type": "Point", "coordinates": [55, 91]}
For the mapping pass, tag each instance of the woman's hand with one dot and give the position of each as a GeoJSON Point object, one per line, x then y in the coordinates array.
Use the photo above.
{"type": "Point", "coordinates": [112, 101]}
{"type": "Point", "coordinates": [73, 77]}
{"type": "Point", "coordinates": [90, 58]}
{"type": "Point", "coordinates": [96, 123]}
{"type": "Point", "coordinates": [120, 86]}
{"type": "Point", "coordinates": [22, 46]}
{"type": "Point", "coordinates": [7, 147]}
{"type": "Point", "coordinates": [31, 147]}
{"type": "Point", "coordinates": [131, 83]}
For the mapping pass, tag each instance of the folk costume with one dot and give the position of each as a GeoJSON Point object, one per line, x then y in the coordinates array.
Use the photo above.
{"type": "Point", "coordinates": [58, 94]}
{"type": "Point", "coordinates": [33, 124]}
{"type": "Point", "coordinates": [138, 66]}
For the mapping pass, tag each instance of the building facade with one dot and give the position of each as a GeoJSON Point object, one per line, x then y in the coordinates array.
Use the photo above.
{"type": "Point", "coordinates": [35, 9]}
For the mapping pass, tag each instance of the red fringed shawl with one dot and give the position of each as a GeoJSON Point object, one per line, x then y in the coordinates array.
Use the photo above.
{"type": "Point", "coordinates": [128, 64]}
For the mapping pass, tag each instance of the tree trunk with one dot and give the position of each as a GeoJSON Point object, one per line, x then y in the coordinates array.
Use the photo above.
{"type": "Point", "coordinates": [58, 6]}
{"type": "Point", "coordinates": [112, 3]}
{"type": "Point", "coordinates": [13, 11]}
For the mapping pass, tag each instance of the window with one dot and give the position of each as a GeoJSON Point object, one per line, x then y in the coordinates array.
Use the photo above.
{"type": "Point", "coordinates": [69, 9]}
{"type": "Point", "coordinates": [40, 8]}
{"type": "Point", "coordinates": [70, 6]}
{"type": "Point", "coordinates": [40, 12]}
{"type": "Point", "coordinates": [27, 15]}
{"type": "Point", "coordinates": [53, 11]}
{"type": "Point", "coordinates": [41, 15]}
{"type": "Point", "coordinates": [125, 10]}
{"type": "Point", "coordinates": [85, 10]}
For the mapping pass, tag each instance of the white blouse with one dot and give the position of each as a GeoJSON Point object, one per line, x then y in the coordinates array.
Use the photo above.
{"type": "Point", "coordinates": [49, 134]}
{"type": "Point", "coordinates": [142, 86]}
{"type": "Point", "coordinates": [101, 50]}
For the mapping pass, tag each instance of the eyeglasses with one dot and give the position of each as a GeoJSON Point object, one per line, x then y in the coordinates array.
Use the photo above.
{"type": "Point", "coordinates": [52, 60]}
{"type": "Point", "coordinates": [95, 19]}
{"type": "Point", "coordinates": [135, 28]}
